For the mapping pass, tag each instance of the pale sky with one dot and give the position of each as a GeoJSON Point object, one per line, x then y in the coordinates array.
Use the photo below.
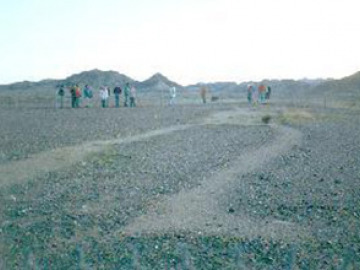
{"type": "Point", "coordinates": [188, 41]}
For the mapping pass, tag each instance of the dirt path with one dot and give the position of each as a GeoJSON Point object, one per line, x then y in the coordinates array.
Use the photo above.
{"type": "Point", "coordinates": [44, 162]}
{"type": "Point", "coordinates": [38, 164]}
{"type": "Point", "coordinates": [199, 210]}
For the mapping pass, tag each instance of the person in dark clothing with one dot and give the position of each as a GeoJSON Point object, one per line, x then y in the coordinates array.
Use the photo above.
{"type": "Point", "coordinates": [268, 93]}
{"type": "Point", "coordinates": [117, 93]}
{"type": "Point", "coordinates": [73, 96]}
{"type": "Point", "coordinates": [61, 94]}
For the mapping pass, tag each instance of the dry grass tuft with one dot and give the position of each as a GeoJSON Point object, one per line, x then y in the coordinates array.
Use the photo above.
{"type": "Point", "coordinates": [296, 116]}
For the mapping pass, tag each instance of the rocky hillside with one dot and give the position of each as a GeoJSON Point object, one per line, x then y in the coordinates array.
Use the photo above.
{"type": "Point", "coordinates": [97, 78]}
{"type": "Point", "coordinates": [157, 83]}
{"type": "Point", "coordinates": [347, 84]}
{"type": "Point", "coordinates": [282, 88]}
{"type": "Point", "coordinates": [25, 85]}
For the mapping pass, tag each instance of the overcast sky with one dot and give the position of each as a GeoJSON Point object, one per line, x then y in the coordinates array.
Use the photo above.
{"type": "Point", "coordinates": [188, 41]}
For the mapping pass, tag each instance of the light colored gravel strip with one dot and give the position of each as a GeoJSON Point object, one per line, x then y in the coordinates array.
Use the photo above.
{"type": "Point", "coordinates": [198, 210]}
{"type": "Point", "coordinates": [47, 161]}
{"type": "Point", "coordinates": [23, 170]}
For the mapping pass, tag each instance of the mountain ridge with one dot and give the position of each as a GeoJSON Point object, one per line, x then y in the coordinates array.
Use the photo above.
{"type": "Point", "coordinates": [158, 82]}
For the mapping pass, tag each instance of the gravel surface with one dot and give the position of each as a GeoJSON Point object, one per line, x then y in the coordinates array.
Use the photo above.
{"type": "Point", "coordinates": [27, 131]}
{"type": "Point", "coordinates": [72, 218]}
{"type": "Point", "coordinates": [125, 178]}
{"type": "Point", "coordinates": [316, 185]}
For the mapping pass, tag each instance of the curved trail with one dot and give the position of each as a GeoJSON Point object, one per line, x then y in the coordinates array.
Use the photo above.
{"type": "Point", "coordinates": [199, 210]}
{"type": "Point", "coordinates": [44, 162]}
{"type": "Point", "coordinates": [23, 170]}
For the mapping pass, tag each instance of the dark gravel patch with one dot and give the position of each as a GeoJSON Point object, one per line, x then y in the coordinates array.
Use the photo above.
{"type": "Point", "coordinates": [315, 185]}
{"type": "Point", "coordinates": [183, 251]}
{"type": "Point", "coordinates": [97, 197]}
{"type": "Point", "coordinates": [68, 219]}
{"type": "Point", "coordinates": [27, 131]}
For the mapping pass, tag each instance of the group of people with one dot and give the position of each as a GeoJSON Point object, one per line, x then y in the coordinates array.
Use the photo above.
{"type": "Point", "coordinates": [85, 96]}
{"type": "Point", "coordinates": [260, 94]}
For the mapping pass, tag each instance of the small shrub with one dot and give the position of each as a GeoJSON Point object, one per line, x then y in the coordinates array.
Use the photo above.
{"type": "Point", "coordinates": [266, 119]}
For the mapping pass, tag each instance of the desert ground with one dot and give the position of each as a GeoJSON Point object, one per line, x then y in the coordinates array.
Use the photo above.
{"type": "Point", "coordinates": [221, 185]}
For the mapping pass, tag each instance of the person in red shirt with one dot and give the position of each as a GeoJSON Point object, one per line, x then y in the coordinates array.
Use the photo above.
{"type": "Point", "coordinates": [262, 92]}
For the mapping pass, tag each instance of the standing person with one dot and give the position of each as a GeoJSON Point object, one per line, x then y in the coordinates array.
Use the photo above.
{"type": "Point", "coordinates": [73, 96]}
{"type": "Point", "coordinates": [132, 96]}
{"type": "Point", "coordinates": [126, 94]}
{"type": "Point", "coordinates": [250, 90]}
{"type": "Point", "coordinates": [61, 94]}
{"type": "Point", "coordinates": [104, 95]}
{"type": "Point", "coordinates": [268, 93]}
{"type": "Point", "coordinates": [107, 88]}
{"type": "Point", "coordinates": [261, 90]}
{"type": "Point", "coordinates": [87, 93]}
{"type": "Point", "coordinates": [117, 93]}
{"type": "Point", "coordinates": [77, 96]}
{"type": "Point", "coordinates": [172, 95]}
{"type": "Point", "coordinates": [255, 96]}
{"type": "Point", "coordinates": [203, 92]}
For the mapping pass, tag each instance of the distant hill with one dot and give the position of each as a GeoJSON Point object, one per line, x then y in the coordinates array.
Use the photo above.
{"type": "Point", "coordinates": [215, 86]}
{"type": "Point", "coordinates": [157, 83]}
{"type": "Point", "coordinates": [25, 85]}
{"type": "Point", "coordinates": [97, 78]}
{"type": "Point", "coordinates": [219, 89]}
{"type": "Point", "coordinates": [352, 79]}
{"type": "Point", "coordinates": [347, 87]}
{"type": "Point", "coordinates": [282, 88]}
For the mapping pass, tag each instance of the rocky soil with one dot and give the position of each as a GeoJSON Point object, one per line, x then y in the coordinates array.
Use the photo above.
{"type": "Point", "coordinates": [27, 131]}
{"type": "Point", "coordinates": [73, 218]}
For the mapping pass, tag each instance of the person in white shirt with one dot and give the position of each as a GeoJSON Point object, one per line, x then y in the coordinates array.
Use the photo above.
{"type": "Point", "coordinates": [104, 95]}
{"type": "Point", "coordinates": [132, 96]}
{"type": "Point", "coordinates": [172, 95]}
